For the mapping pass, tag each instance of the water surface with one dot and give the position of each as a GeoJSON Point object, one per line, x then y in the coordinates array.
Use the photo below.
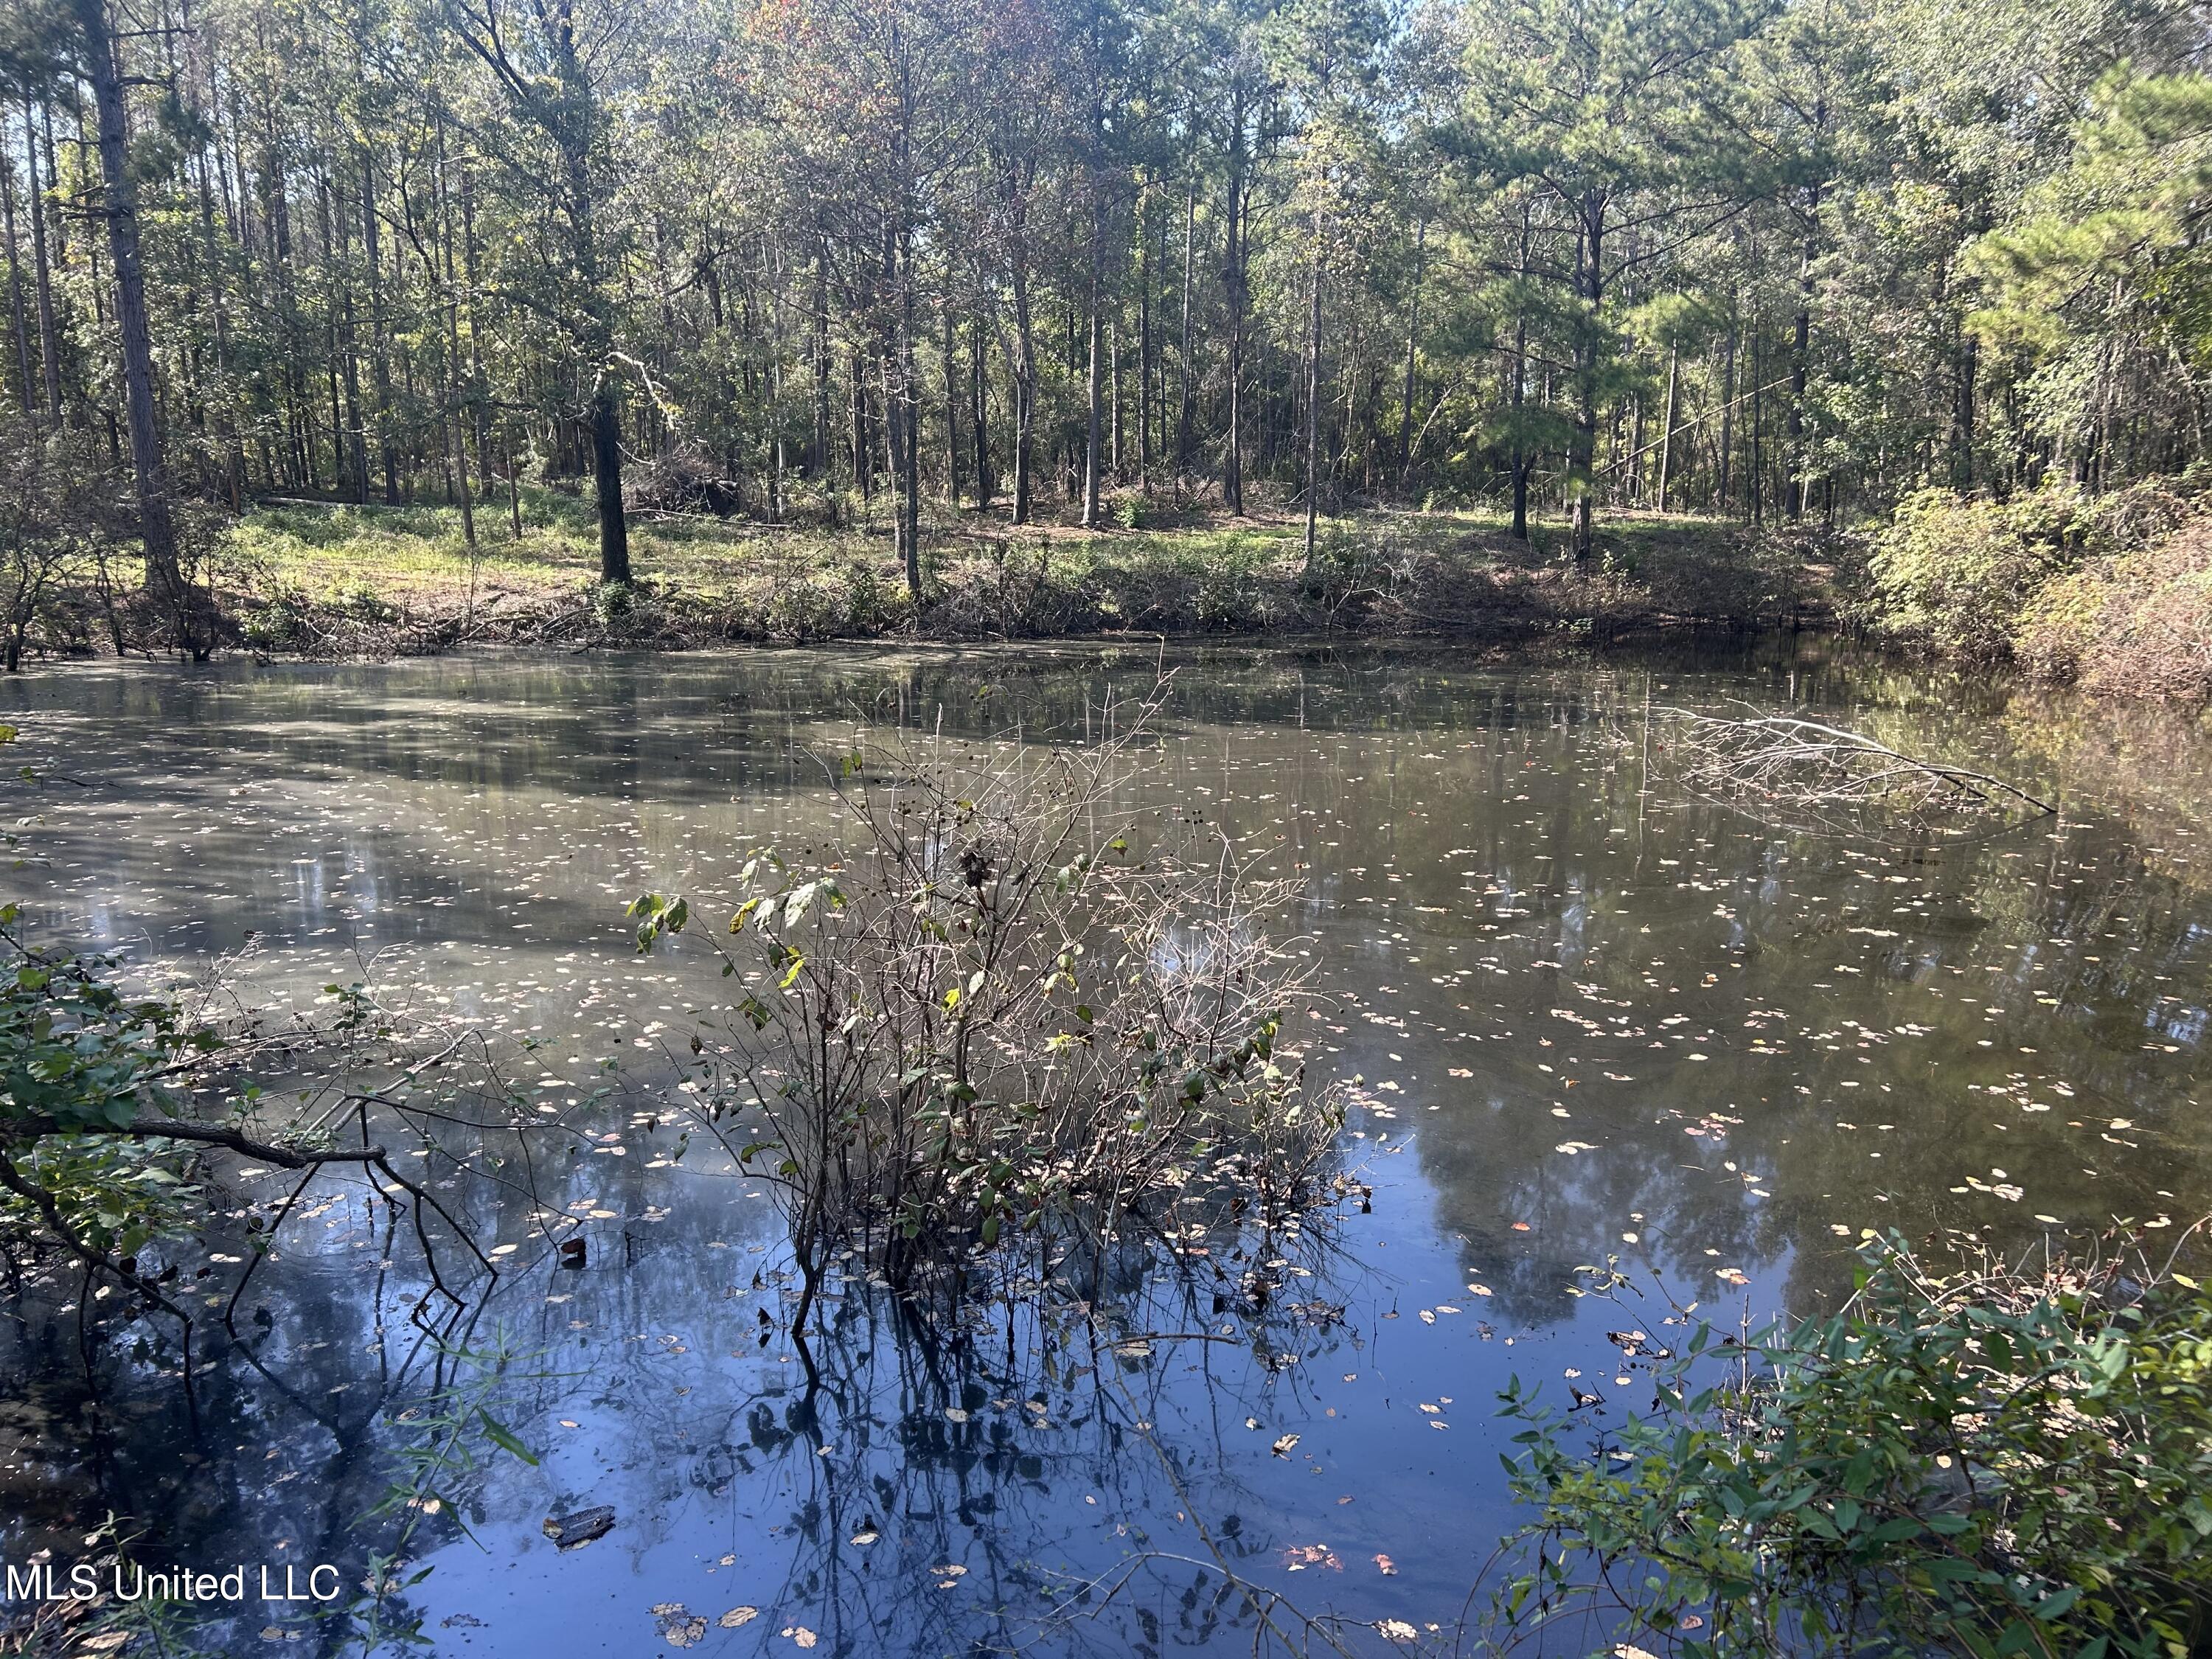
{"type": "Point", "coordinates": [1582, 1014]}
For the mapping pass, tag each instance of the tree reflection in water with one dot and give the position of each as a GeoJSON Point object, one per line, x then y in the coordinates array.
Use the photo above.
{"type": "Point", "coordinates": [1573, 1007]}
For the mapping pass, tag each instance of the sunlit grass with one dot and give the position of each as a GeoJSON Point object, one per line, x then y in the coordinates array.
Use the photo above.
{"type": "Point", "coordinates": [1160, 566]}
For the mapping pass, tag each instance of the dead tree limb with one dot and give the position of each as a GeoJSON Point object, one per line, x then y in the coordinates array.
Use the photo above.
{"type": "Point", "coordinates": [1793, 764]}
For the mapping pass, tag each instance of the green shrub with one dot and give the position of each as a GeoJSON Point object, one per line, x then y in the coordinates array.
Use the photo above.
{"type": "Point", "coordinates": [1989, 1462]}
{"type": "Point", "coordinates": [1957, 570]}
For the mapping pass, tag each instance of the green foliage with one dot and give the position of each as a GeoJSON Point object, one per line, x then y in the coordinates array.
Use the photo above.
{"type": "Point", "coordinates": [1992, 1463]}
{"type": "Point", "coordinates": [1957, 571]}
{"type": "Point", "coordinates": [76, 1052]}
{"type": "Point", "coordinates": [78, 1057]}
{"type": "Point", "coordinates": [2103, 277]}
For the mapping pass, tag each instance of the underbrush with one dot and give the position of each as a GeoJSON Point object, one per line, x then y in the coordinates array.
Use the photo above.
{"type": "Point", "coordinates": [1974, 1457]}
{"type": "Point", "coordinates": [2113, 594]}
{"type": "Point", "coordinates": [999, 1002]}
{"type": "Point", "coordinates": [337, 579]}
{"type": "Point", "coordinates": [346, 584]}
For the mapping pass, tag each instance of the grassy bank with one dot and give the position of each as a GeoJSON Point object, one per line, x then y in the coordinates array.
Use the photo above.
{"type": "Point", "coordinates": [322, 579]}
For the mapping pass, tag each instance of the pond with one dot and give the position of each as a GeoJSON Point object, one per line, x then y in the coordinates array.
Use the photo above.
{"type": "Point", "coordinates": [1581, 1012]}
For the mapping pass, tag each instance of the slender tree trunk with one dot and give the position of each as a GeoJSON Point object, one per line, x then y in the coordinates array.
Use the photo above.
{"type": "Point", "coordinates": [1145, 277]}
{"type": "Point", "coordinates": [1519, 450]}
{"type": "Point", "coordinates": [454, 422]}
{"type": "Point", "coordinates": [818, 448]}
{"type": "Point", "coordinates": [50, 360]}
{"type": "Point", "coordinates": [978, 392]}
{"type": "Point", "coordinates": [1758, 423]}
{"type": "Point", "coordinates": [165, 576]}
{"type": "Point", "coordinates": [1313, 397]}
{"type": "Point", "coordinates": [951, 405]}
{"type": "Point", "coordinates": [18, 317]}
{"type": "Point", "coordinates": [1025, 373]}
{"type": "Point", "coordinates": [1182, 351]}
{"type": "Point", "coordinates": [909, 503]}
{"type": "Point", "coordinates": [1667, 435]}
{"type": "Point", "coordinates": [1962, 416]}
{"type": "Point", "coordinates": [1582, 461]}
{"type": "Point", "coordinates": [1793, 499]}
{"type": "Point", "coordinates": [1233, 459]}
{"type": "Point", "coordinates": [379, 358]}
{"type": "Point", "coordinates": [1413, 347]}
{"type": "Point", "coordinates": [1095, 385]}
{"type": "Point", "coordinates": [863, 457]}
{"type": "Point", "coordinates": [1728, 408]}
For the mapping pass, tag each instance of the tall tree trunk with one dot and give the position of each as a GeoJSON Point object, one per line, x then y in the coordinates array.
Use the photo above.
{"type": "Point", "coordinates": [50, 356]}
{"type": "Point", "coordinates": [1521, 459]}
{"type": "Point", "coordinates": [1727, 407]}
{"type": "Point", "coordinates": [607, 481]}
{"type": "Point", "coordinates": [1025, 372]}
{"type": "Point", "coordinates": [1413, 346]}
{"type": "Point", "coordinates": [1313, 397]}
{"type": "Point", "coordinates": [1182, 351]}
{"type": "Point", "coordinates": [817, 446]}
{"type": "Point", "coordinates": [909, 492]}
{"type": "Point", "coordinates": [1667, 434]}
{"type": "Point", "coordinates": [1144, 278]}
{"type": "Point", "coordinates": [1095, 387]}
{"type": "Point", "coordinates": [1758, 423]}
{"type": "Point", "coordinates": [1520, 450]}
{"type": "Point", "coordinates": [379, 357]}
{"type": "Point", "coordinates": [453, 400]}
{"type": "Point", "coordinates": [1583, 458]}
{"type": "Point", "coordinates": [978, 392]}
{"type": "Point", "coordinates": [18, 317]}
{"type": "Point", "coordinates": [1793, 499]}
{"type": "Point", "coordinates": [165, 576]}
{"type": "Point", "coordinates": [1962, 416]}
{"type": "Point", "coordinates": [951, 404]}
{"type": "Point", "coordinates": [356, 433]}
{"type": "Point", "coordinates": [1233, 459]}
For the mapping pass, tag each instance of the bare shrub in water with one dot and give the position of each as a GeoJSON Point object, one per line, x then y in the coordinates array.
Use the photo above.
{"type": "Point", "coordinates": [1003, 1000]}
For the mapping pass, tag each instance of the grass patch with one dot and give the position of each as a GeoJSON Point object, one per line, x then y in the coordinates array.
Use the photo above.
{"type": "Point", "coordinates": [343, 578]}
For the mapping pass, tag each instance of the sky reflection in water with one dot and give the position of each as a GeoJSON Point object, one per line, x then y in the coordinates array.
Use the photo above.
{"type": "Point", "coordinates": [1584, 1014]}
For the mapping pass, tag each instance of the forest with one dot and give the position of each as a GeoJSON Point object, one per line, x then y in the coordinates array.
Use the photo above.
{"type": "Point", "coordinates": [938, 272]}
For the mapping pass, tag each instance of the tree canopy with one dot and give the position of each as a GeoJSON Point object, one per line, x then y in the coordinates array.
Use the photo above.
{"type": "Point", "coordinates": [1775, 260]}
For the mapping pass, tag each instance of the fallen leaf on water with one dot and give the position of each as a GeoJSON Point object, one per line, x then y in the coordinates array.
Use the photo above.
{"type": "Point", "coordinates": [1282, 1445]}
{"type": "Point", "coordinates": [1397, 1629]}
{"type": "Point", "coordinates": [737, 1616]}
{"type": "Point", "coordinates": [800, 1634]}
{"type": "Point", "coordinates": [1388, 1567]}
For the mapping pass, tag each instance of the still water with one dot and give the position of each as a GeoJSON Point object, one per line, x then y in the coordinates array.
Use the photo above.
{"type": "Point", "coordinates": [1581, 1012]}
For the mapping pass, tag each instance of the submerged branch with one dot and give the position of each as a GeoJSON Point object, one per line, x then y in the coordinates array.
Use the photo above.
{"type": "Point", "coordinates": [1792, 763]}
